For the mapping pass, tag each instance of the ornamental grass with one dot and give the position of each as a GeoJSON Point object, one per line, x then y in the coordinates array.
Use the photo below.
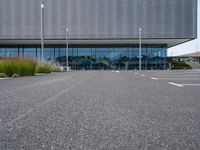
{"type": "Point", "coordinates": [19, 66]}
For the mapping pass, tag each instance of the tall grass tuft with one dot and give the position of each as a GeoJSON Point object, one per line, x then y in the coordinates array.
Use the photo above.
{"type": "Point", "coordinates": [20, 66]}
{"type": "Point", "coordinates": [48, 67]}
{"type": "Point", "coordinates": [42, 69]}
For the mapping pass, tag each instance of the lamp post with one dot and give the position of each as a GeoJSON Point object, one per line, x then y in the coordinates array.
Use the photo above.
{"type": "Point", "coordinates": [140, 45]}
{"type": "Point", "coordinates": [67, 48]}
{"type": "Point", "coordinates": [42, 32]}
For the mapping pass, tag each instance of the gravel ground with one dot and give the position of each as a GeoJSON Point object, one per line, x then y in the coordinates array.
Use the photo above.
{"type": "Point", "coordinates": [89, 110]}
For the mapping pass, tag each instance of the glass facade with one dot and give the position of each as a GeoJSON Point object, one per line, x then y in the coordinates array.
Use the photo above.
{"type": "Point", "coordinates": [95, 57]}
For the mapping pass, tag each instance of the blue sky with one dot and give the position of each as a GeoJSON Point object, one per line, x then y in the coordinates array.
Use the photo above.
{"type": "Point", "coordinates": [189, 47]}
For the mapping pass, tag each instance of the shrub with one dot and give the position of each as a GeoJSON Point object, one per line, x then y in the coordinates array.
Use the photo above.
{"type": "Point", "coordinates": [15, 75]}
{"type": "Point", "coordinates": [20, 66]}
{"type": "Point", "coordinates": [42, 69]}
{"type": "Point", "coordinates": [3, 75]}
{"type": "Point", "coordinates": [180, 65]}
{"type": "Point", "coordinates": [54, 67]}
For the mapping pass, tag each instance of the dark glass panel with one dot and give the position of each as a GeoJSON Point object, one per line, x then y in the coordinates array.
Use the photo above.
{"type": "Point", "coordinates": [95, 56]}
{"type": "Point", "coordinates": [3, 52]}
{"type": "Point", "coordinates": [30, 51]}
{"type": "Point", "coordinates": [62, 55]}
{"type": "Point", "coordinates": [102, 58]}
{"type": "Point", "coordinates": [49, 53]}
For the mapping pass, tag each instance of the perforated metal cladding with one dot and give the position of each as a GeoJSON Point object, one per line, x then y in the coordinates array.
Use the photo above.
{"type": "Point", "coordinates": [99, 19]}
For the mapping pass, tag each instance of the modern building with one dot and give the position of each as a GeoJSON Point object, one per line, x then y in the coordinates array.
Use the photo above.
{"type": "Point", "coordinates": [190, 57]}
{"type": "Point", "coordinates": [103, 34]}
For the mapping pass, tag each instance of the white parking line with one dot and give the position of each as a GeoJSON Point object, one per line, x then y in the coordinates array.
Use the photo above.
{"type": "Point", "coordinates": [4, 78]}
{"type": "Point", "coordinates": [190, 84]}
{"type": "Point", "coordinates": [179, 78]}
{"type": "Point", "coordinates": [143, 75]}
{"type": "Point", "coordinates": [116, 71]}
{"type": "Point", "coordinates": [175, 84]}
{"type": "Point", "coordinates": [153, 78]}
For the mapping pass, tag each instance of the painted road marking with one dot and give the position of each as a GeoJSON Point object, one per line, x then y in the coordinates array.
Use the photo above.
{"type": "Point", "coordinates": [182, 85]}
{"type": "Point", "coordinates": [179, 78]}
{"type": "Point", "coordinates": [143, 75]}
{"type": "Point", "coordinates": [4, 78]}
{"type": "Point", "coordinates": [117, 71]}
{"type": "Point", "coordinates": [175, 84]}
{"type": "Point", "coordinates": [165, 76]}
{"type": "Point", "coordinates": [153, 78]}
{"type": "Point", "coordinates": [190, 84]}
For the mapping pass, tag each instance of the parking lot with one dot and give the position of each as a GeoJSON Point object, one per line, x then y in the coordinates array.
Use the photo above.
{"type": "Point", "coordinates": [182, 78]}
{"type": "Point", "coordinates": [101, 110]}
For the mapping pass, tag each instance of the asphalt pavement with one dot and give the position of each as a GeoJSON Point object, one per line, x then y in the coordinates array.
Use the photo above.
{"type": "Point", "coordinates": [101, 110]}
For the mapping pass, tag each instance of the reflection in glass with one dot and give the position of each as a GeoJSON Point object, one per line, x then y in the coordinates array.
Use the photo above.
{"type": "Point", "coordinates": [30, 51]}
{"type": "Point", "coordinates": [95, 56]}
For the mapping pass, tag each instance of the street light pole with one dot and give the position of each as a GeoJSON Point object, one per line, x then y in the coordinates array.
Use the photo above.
{"type": "Point", "coordinates": [67, 48]}
{"type": "Point", "coordinates": [42, 31]}
{"type": "Point", "coordinates": [140, 46]}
